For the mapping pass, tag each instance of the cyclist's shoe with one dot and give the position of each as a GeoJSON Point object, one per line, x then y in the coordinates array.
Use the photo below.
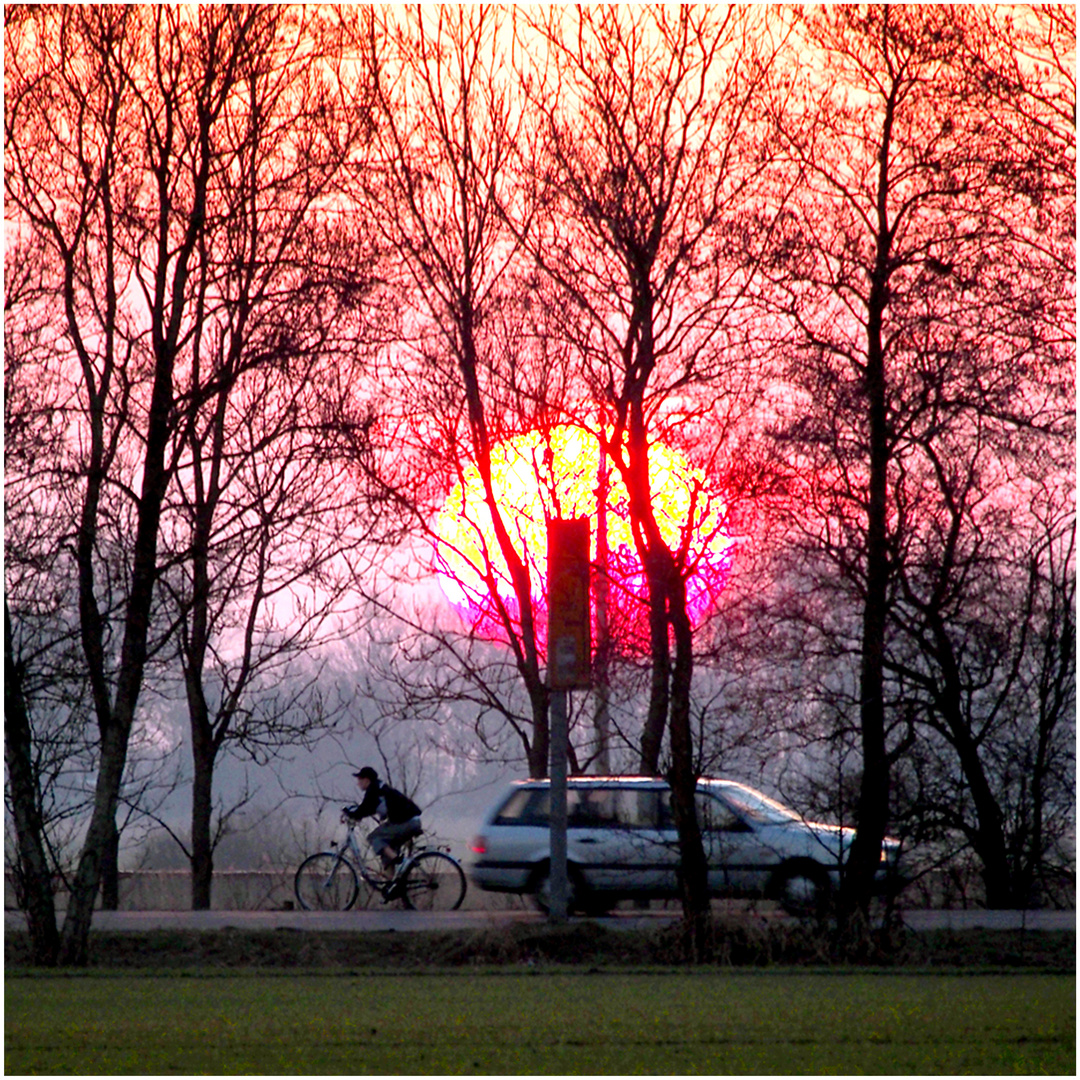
{"type": "Point", "coordinates": [391, 891]}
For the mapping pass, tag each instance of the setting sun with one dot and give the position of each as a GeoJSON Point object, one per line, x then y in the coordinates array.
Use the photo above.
{"type": "Point", "coordinates": [537, 477]}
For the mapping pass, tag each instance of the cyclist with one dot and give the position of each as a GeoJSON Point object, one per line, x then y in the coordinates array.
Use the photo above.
{"type": "Point", "coordinates": [398, 815]}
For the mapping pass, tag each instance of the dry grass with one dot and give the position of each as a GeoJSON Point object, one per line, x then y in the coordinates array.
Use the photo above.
{"type": "Point", "coordinates": [735, 943]}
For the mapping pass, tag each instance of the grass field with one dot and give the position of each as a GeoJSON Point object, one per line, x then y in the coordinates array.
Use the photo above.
{"type": "Point", "coordinates": [541, 1022]}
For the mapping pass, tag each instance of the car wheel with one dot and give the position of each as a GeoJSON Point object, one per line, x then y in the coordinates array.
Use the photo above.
{"type": "Point", "coordinates": [540, 887]}
{"type": "Point", "coordinates": [803, 889]}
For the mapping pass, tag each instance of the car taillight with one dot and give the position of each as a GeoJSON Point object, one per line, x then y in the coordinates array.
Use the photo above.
{"type": "Point", "coordinates": [479, 845]}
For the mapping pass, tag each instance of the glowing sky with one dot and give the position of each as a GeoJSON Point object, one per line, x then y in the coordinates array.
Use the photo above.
{"type": "Point", "coordinates": [536, 478]}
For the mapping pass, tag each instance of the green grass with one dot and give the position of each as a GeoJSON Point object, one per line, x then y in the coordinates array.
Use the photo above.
{"type": "Point", "coordinates": [541, 1022]}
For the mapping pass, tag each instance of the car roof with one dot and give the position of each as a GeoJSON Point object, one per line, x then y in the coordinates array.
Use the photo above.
{"type": "Point", "coordinates": [645, 782]}
{"type": "Point", "coordinates": [648, 783]}
{"type": "Point", "coordinates": [627, 781]}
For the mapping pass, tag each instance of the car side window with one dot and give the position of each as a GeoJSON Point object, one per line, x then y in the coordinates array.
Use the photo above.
{"type": "Point", "coordinates": [535, 808]}
{"type": "Point", "coordinates": [591, 808]}
{"type": "Point", "coordinates": [514, 807]}
{"type": "Point", "coordinates": [527, 806]}
{"type": "Point", "coordinates": [615, 808]}
{"type": "Point", "coordinates": [665, 819]}
{"type": "Point", "coordinates": [538, 811]}
{"type": "Point", "coordinates": [637, 808]}
{"type": "Point", "coordinates": [715, 816]}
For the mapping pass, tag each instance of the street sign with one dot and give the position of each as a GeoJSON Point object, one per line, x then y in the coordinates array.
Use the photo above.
{"type": "Point", "coordinates": [569, 646]}
{"type": "Point", "coordinates": [569, 629]}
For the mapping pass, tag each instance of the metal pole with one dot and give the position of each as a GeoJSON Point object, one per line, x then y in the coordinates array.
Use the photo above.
{"type": "Point", "coordinates": [568, 666]}
{"type": "Point", "coordinates": [601, 597]}
{"type": "Point", "coordinates": [557, 910]}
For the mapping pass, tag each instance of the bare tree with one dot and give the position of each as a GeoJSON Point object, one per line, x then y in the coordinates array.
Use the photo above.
{"type": "Point", "coordinates": [266, 528]}
{"type": "Point", "coordinates": [35, 659]}
{"type": "Point", "coordinates": [647, 154]}
{"type": "Point", "coordinates": [64, 179]}
{"type": "Point", "coordinates": [441, 175]}
{"type": "Point", "coordinates": [913, 363]}
{"type": "Point", "coordinates": [50, 746]}
{"type": "Point", "coordinates": [34, 874]}
{"type": "Point", "coordinates": [135, 155]}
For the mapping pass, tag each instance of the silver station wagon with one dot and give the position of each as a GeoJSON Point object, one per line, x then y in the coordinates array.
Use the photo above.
{"type": "Point", "coordinates": [621, 843]}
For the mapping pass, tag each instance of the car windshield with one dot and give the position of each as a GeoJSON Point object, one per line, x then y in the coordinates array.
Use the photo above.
{"type": "Point", "coordinates": [756, 806]}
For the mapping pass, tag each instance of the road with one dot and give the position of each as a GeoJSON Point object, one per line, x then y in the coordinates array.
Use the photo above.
{"type": "Point", "coordinates": [395, 919]}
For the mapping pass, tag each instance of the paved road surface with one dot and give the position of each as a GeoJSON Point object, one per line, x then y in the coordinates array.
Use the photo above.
{"type": "Point", "coordinates": [395, 919]}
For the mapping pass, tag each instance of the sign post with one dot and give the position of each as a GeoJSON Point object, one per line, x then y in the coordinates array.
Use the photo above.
{"type": "Point", "coordinates": [558, 881]}
{"type": "Point", "coordinates": [569, 646]}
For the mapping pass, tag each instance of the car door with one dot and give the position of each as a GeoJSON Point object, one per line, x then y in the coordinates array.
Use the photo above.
{"type": "Point", "coordinates": [591, 843]}
{"type": "Point", "coordinates": [665, 846]}
{"type": "Point", "coordinates": [739, 857]}
{"type": "Point", "coordinates": [649, 858]}
{"type": "Point", "coordinates": [615, 835]}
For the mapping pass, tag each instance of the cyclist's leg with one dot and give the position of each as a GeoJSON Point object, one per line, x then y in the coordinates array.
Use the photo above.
{"type": "Point", "coordinates": [389, 838]}
{"type": "Point", "coordinates": [406, 832]}
{"type": "Point", "coordinates": [380, 841]}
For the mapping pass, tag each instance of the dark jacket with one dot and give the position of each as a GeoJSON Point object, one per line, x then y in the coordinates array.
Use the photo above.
{"type": "Point", "coordinates": [386, 803]}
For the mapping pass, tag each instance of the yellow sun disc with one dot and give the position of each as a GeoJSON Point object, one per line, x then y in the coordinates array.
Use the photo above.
{"type": "Point", "coordinates": [536, 477]}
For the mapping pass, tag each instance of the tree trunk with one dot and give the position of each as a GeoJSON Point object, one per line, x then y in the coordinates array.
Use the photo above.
{"type": "Point", "coordinates": [601, 592]}
{"type": "Point", "coordinates": [115, 722]}
{"type": "Point", "coordinates": [110, 871]}
{"type": "Point", "coordinates": [988, 838]}
{"type": "Point", "coordinates": [652, 735]}
{"type": "Point", "coordinates": [540, 744]}
{"type": "Point", "coordinates": [203, 748]}
{"type": "Point", "coordinates": [694, 878]}
{"type": "Point", "coordinates": [873, 808]}
{"type": "Point", "coordinates": [670, 684]}
{"type": "Point", "coordinates": [864, 859]}
{"type": "Point", "coordinates": [656, 559]}
{"type": "Point", "coordinates": [75, 936]}
{"type": "Point", "coordinates": [202, 853]}
{"type": "Point", "coordinates": [34, 878]}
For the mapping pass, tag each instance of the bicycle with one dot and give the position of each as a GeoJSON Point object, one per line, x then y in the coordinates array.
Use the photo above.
{"type": "Point", "coordinates": [425, 879]}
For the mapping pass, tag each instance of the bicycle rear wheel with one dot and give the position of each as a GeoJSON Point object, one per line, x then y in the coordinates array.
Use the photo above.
{"type": "Point", "coordinates": [433, 882]}
{"type": "Point", "coordinates": [326, 882]}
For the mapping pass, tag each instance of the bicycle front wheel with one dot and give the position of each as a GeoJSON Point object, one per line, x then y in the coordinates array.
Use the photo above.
{"type": "Point", "coordinates": [433, 882]}
{"type": "Point", "coordinates": [326, 882]}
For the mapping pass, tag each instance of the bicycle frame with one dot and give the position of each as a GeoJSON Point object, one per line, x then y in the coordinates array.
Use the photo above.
{"type": "Point", "coordinates": [361, 863]}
